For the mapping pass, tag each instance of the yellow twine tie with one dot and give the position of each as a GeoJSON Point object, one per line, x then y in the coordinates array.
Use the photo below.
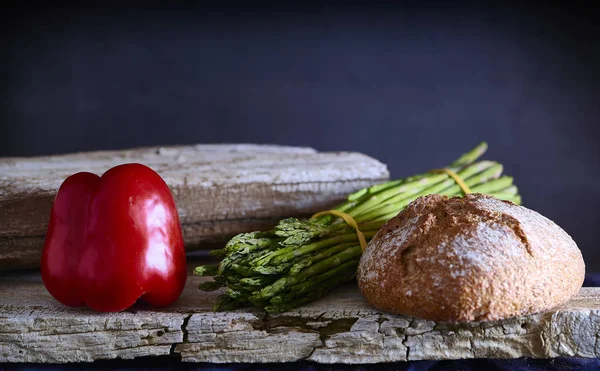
{"type": "Point", "coordinates": [465, 188]}
{"type": "Point", "coordinates": [350, 221]}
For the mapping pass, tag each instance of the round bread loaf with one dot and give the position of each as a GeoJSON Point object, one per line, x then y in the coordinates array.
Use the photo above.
{"type": "Point", "coordinates": [471, 258]}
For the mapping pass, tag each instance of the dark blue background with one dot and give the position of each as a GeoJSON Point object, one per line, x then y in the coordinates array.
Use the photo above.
{"type": "Point", "coordinates": [412, 85]}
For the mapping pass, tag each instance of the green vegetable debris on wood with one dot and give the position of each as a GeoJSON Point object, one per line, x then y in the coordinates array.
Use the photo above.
{"type": "Point", "coordinates": [300, 261]}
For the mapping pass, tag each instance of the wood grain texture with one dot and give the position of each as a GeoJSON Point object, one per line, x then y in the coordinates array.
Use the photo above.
{"type": "Point", "coordinates": [220, 190]}
{"type": "Point", "coordinates": [341, 328]}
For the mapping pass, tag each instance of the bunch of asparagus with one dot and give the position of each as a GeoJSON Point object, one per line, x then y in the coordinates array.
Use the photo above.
{"type": "Point", "coordinates": [300, 261]}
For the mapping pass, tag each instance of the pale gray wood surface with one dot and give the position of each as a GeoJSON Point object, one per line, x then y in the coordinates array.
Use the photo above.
{"type": "Point", "coordinates": [220, 190]}
{"type": "Point", "coordinates": [341, 328]}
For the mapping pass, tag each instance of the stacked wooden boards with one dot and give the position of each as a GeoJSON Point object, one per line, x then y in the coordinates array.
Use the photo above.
{"type": "Point", "coordinates": [220, 190]}
{"type": "Point", "coordinates": [340, 328]}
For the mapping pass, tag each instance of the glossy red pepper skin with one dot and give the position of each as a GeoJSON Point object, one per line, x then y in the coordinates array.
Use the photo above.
{"type": "Point", "coordinates": [114, 239]}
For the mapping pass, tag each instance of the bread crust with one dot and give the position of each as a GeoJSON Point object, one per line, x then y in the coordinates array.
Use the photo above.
{"type": "Point", "coordinates": [472, 258]}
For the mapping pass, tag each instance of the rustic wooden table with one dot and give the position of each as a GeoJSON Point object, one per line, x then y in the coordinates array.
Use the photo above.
{"type": "Point", "coordinates": [341, 328]}
{"type": "Point", "coordinates": [221, 190]}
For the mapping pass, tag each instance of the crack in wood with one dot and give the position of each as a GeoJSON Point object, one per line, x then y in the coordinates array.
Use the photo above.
{"type": "Point", "coordinates": [186, 320]}
{"type": "Point", "coordinates": [183, 328]}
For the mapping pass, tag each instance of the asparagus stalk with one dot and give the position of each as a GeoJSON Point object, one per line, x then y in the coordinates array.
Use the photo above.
{"type": "Point", "coordinates": [299, 261]}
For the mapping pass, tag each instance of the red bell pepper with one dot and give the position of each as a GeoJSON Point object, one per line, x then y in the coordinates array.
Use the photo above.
{"type": "Point", "coordinates": [113, 240]}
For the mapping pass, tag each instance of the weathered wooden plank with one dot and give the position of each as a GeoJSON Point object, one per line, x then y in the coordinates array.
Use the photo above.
{"type": "Point", "coordinates": [220, 190]}
{"type": "Point", "coordinates": [341, 328]}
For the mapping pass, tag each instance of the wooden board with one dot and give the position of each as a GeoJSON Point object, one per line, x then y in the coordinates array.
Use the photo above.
{"type": "Point", "coordinates": [341, 328]}
{"type": "Point", "coordinates": [220, 190]}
